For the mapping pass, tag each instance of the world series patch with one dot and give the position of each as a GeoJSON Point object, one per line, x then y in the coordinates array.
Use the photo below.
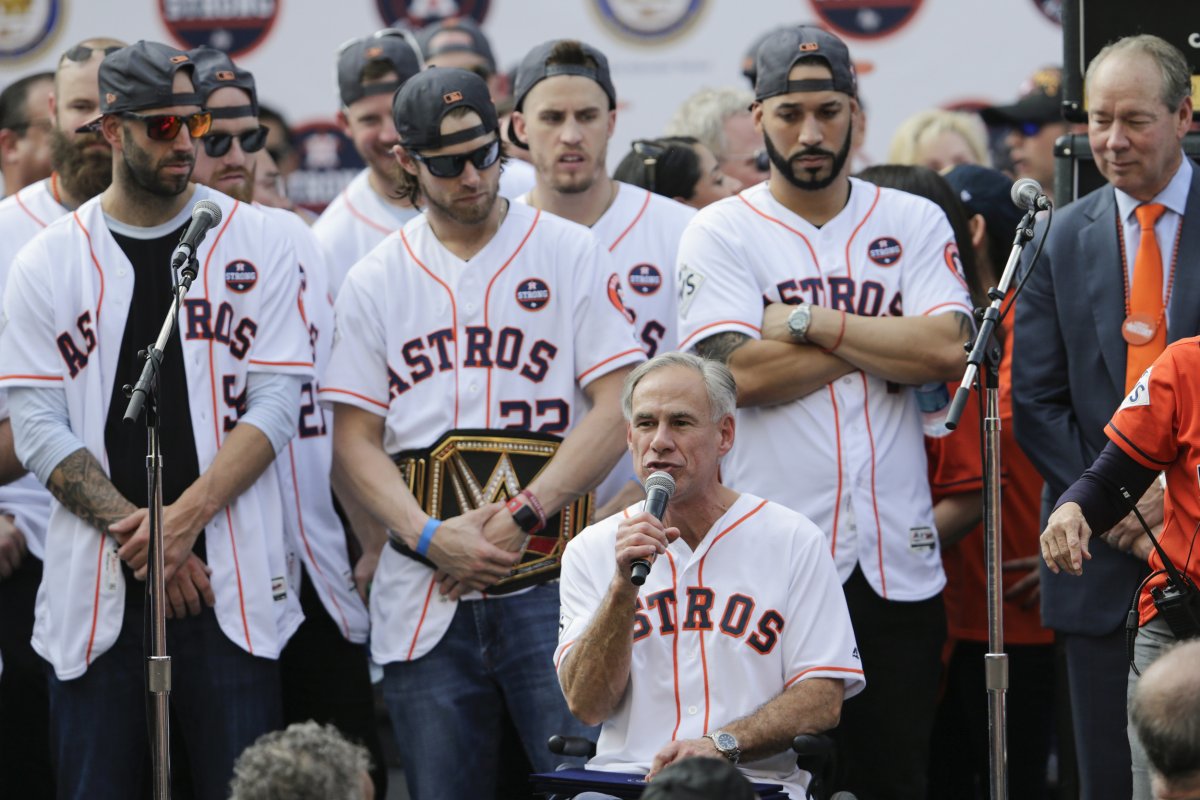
{"type": "Point", "coordinates": [240, 275]}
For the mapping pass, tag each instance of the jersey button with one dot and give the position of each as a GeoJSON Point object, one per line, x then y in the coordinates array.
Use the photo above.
{"type": "Point", "coordinates": [470, 308]}
{"type": "Point", "coordinates": [692, 710]}
{"type": "Point", "coordinates": [473, 388]}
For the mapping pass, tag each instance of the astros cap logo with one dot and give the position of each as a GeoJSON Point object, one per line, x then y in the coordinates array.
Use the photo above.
{"type": "Point", "coordinates": [452, 97]}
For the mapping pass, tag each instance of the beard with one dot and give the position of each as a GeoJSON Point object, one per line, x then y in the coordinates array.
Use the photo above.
{"type": "Point", "coordinates": [139, 167]}
{"type": "Point", "coordinates": [244, 191]}
{"type": "Point", "coordinates": [464, 215]}
{"type": "Point", "coordinates": [83, 172]}
{"type": "Point", "coordinates": [812, 183]}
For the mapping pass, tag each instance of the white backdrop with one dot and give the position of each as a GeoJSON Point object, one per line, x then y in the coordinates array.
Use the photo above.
{"type": "Point", "coordinates": [948, 51]}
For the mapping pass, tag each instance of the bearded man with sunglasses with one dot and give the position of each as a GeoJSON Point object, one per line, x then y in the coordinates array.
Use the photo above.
{"type": "Point", "coordinates": [466, 341]}
{"type": "Point", "coordinates": [864, 302]}
{"type": "Point", "coordinates": [324, 666]}
{"type": "Point", "coordinates": [82, 299]}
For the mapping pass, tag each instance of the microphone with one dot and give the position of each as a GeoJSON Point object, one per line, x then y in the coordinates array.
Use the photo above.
{"type": "Point", "coordinates": [205, 214]}
{"type": "Point", "coordinates": [659, 488]}
{"type": "Point", "coordinates": [1027, 193]}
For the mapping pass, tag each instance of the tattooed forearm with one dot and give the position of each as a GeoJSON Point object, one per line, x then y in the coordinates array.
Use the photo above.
{"type": "Point", "coordinates": [79, 483]}
{"type": "Point", "coordinates": [721, 346]}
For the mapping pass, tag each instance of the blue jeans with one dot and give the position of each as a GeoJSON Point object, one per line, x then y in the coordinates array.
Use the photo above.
{"type": "Point", "coordinates": [222, 699]}
{"type": "Point", "coordinates": [447, 706]}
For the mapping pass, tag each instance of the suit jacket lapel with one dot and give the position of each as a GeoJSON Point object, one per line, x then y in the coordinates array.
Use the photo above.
{"type": "Point", "coordinates": [1183, 314]}
{"type": "Point", "coordinates": [1100, 263]}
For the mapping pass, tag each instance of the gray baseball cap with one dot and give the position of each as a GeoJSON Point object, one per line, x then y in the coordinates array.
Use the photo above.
{"type": "Point", "coordinates": [389, 45]}
{"type": "Point", "coordinates": [534, 69]}
{"type": "Point", "coordinates": [141, 75]}
{"type": "Point", "coordinates": [479, 44]}
{"type": "Point", "coordinates": [780, 51]}
{"type": "Point", "coordinates": [424, 100]}
{"type": "Point", "coordinates": [214, 69]}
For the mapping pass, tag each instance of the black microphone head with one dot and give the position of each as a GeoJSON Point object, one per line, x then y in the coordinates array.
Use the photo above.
{"type": "Point", "coordinates": [207, 207]}
{"type": "Point", "coordinates": [661, 480]}
{"type": "Point", "coordinates": [1025, 193]}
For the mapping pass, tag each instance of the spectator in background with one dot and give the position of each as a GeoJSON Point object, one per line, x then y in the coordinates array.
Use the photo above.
{"type": "Point", "coordinates": [306, 761]}
{"type": "Point", "coordinates": [1165, 711]}
{"type": "Point", "coordinates": [279, 140]}
{"type": "Point", "coordinates": [678, 167]}
{"type": "Point", "coordinates": [1034, 122]}
{"type": "Point", "coordinates": [940, 139]}
{"type": "Point", "coordinates": [719, 119]}
{"type": "Point", "coordinates": [25, 131]}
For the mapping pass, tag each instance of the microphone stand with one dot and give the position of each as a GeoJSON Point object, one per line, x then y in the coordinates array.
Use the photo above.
{"type": "Point", "coordinates": [984, 349]}
{"type": "Point", "coordinates": [158, 663]}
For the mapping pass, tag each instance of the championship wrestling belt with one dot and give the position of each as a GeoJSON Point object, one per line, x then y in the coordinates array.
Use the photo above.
{"type": "Point", "coordinates": [467, 469]}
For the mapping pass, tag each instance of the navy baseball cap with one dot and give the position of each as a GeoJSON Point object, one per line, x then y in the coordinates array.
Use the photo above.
{"type": "Point", "coordinates": [1041, 102]}
{"type": "Point", "coordinates": [390, 45]}
{"type": "Point", "coordinates": [213, 69]}
{"type": "Point", "coordinates": [424, 100]}
{"type": "Point", "coordinates": [986, 192]}
{"type": "Point", "coordinates": [780, 51]}
{"type": "Point", "coordinates": [478, 43]}
{"type": "Point", "coordinates": [141, 75]}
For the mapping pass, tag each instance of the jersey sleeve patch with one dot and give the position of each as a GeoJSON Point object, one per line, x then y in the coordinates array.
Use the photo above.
{"type": "Point", "coordinates": [1139, 395]}
{"type": "Point", "coordinates": [690, 281]}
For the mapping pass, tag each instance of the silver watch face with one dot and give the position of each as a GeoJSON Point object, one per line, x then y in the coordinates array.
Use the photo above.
{"type": "Point", "coordinates": [726, 742]}
{"type": "Point", "coordinates": [798, 321]}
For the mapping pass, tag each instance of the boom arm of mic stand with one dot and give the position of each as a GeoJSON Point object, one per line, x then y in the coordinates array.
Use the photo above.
{"type": "Point", "coordinates": [991, 318]}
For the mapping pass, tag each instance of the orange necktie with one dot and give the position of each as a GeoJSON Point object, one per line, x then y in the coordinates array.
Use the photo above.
{"type": "Point", "coordinates": [1145, 300]}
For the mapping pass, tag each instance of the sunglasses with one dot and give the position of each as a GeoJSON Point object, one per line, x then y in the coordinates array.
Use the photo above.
{"type": "Point", "coordinates": [452, 166]}
{"type": "Point", "coordinates": [218, 144]}
{"type": "Point", "coordinates": [82, 52]}
{"type": "Point", "coordinates": [165, 127]}
{"type": "Point", "coordinates": [1028, 128]}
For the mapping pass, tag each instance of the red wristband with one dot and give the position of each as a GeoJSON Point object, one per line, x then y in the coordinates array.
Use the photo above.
{"type": "Point", "coordinates": [841, 332]}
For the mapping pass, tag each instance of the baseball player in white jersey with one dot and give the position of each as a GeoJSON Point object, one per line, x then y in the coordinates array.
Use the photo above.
{"type": "Point", "coordinates": [479, 317]}
{"type": "Point", "coordinates": [369, 70]}
{"type": "Point", "coordinates": [228, 393]}
{"type": "Point", "coordinates": [324, 667]}
{"type": "Point", "coordinates": [741, 638]}
{"type": "Point", "coordinates": [564, 115]}
{"type": "Point", "coordinates": [866, 302]}
{"type": "Point", "coordinates": [82, 168]}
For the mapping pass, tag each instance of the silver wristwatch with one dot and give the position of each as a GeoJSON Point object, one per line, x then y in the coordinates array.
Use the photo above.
{"type": "Point", "coordinates": [727, 744]}
{"type": "Point", "coordinates": [798, 322]}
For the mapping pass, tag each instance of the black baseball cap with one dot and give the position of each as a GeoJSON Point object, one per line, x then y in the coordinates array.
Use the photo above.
{"type": "Point", "coordinates": [478, 45]}
{"type": "Point", "coordinates": [141, 75]}
{"type": "Point", "coordinates": [424, 100]}
{"type": "Point", "coordinates": [390, 45]}
{"type": "Point", "coordinates": [986, 191]}
{"type": "Point", "coordinates": [213, 69]}
{"type": "Point", "coordinates": [1041, 102]}
{"type": "Point", "coordinates": [533, 69]}
{"type": "Point", "coordinates": [780, 51]}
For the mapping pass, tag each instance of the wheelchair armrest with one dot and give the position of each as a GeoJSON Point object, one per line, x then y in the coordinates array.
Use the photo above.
{"type": "Point", "coordinates": [813, 751]}
{"type": "Point", "coordinates": [571, 746]}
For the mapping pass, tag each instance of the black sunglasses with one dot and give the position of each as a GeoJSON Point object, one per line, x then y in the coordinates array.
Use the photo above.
{"type": "Point", "coordinates": [218, 144]}
{"type": "Point", "coordinates": [165, 127]}
{"type": "Point", "coordinates": [81, 52]}
{"type": "Point", "coordinates": [452, 166]}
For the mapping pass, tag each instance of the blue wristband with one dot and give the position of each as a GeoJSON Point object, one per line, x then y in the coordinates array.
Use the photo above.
{"type": "Point", "coordinates": [427, 535]}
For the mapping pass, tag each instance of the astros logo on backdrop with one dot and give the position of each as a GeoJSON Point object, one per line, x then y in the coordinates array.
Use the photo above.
{"type": "Point", "coordinates": [419, 13]}
{"type": "Point", "coordinates": [26, 26]}
{"type": "Point", "coordinates": [328, 161]}
{"type": "Point", "coordinates": [648, 21]}
{"type": "Point", "coordinates": [236, 28]}
{"type": "Point", "coordinates": [866, 19]}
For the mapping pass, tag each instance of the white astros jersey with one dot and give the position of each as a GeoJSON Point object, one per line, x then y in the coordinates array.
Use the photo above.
{"type": "Point", "coordinates": [315, 533]}
{"type": "Point", "coordinates": [240, 317]}
{"type": "Point", "coordinates": [516, 178]}
{"type": "Point", "coordinates": [850, 456]}
{"type": "Point", "coordinates": [351, 226]}
{"type": "Point", "coordinates": [433, 343]}
{"type": "Point", "coordinates": [23, 216]}
{"type": "Point", "coordinates": [715, 638]}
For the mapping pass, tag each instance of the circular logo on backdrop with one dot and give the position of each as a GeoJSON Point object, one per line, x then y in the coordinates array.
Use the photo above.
{"type": "Point", "coordinates": [240, 275]}
{"type": "Point", "coordinates": [884, 251]}
{"type": "Point", "coordinates": [649, 20]}
{"type": "Point", "coordinates": [237, 28]}
{"type": "Point", "coordinates": [533, 294]}
{"type": "Point", "coordinates": [328, 161]}
{"type": "Point", "coordinates": [645, 279]}
{"type": "Point", "coordinates": [419, 13]}
{"type": "Point", "coordinates": [866, 19]}
{"type": "Point", "coordinates": [25, 25]}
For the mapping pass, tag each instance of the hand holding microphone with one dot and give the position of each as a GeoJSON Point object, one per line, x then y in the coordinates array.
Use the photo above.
{"type": "Point", "coordinates": [659, 488]}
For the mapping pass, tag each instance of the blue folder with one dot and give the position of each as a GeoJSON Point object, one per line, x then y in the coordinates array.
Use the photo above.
{"type": "Point", "coordinates": [618, 784]}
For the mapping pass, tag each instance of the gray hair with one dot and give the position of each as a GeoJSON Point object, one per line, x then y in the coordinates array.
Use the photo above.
{"type": "Point", "coordinates": [305, 762]}
{"type": "Point", "coordinates": [703, 116]}
{"type": "Point", "coordinates": [718, 381]}
{"type": "Point", "coordinates": [1176, 74]}
{"type": "Point", "coordinates": [1165, 711]}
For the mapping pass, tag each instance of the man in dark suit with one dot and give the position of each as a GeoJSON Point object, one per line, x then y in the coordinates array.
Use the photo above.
{"type": "Point", "coordinates": [1117, 281]}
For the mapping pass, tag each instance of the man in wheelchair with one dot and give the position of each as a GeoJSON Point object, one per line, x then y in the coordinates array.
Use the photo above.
{"type": "Point", "coordinates": [739, 640]}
